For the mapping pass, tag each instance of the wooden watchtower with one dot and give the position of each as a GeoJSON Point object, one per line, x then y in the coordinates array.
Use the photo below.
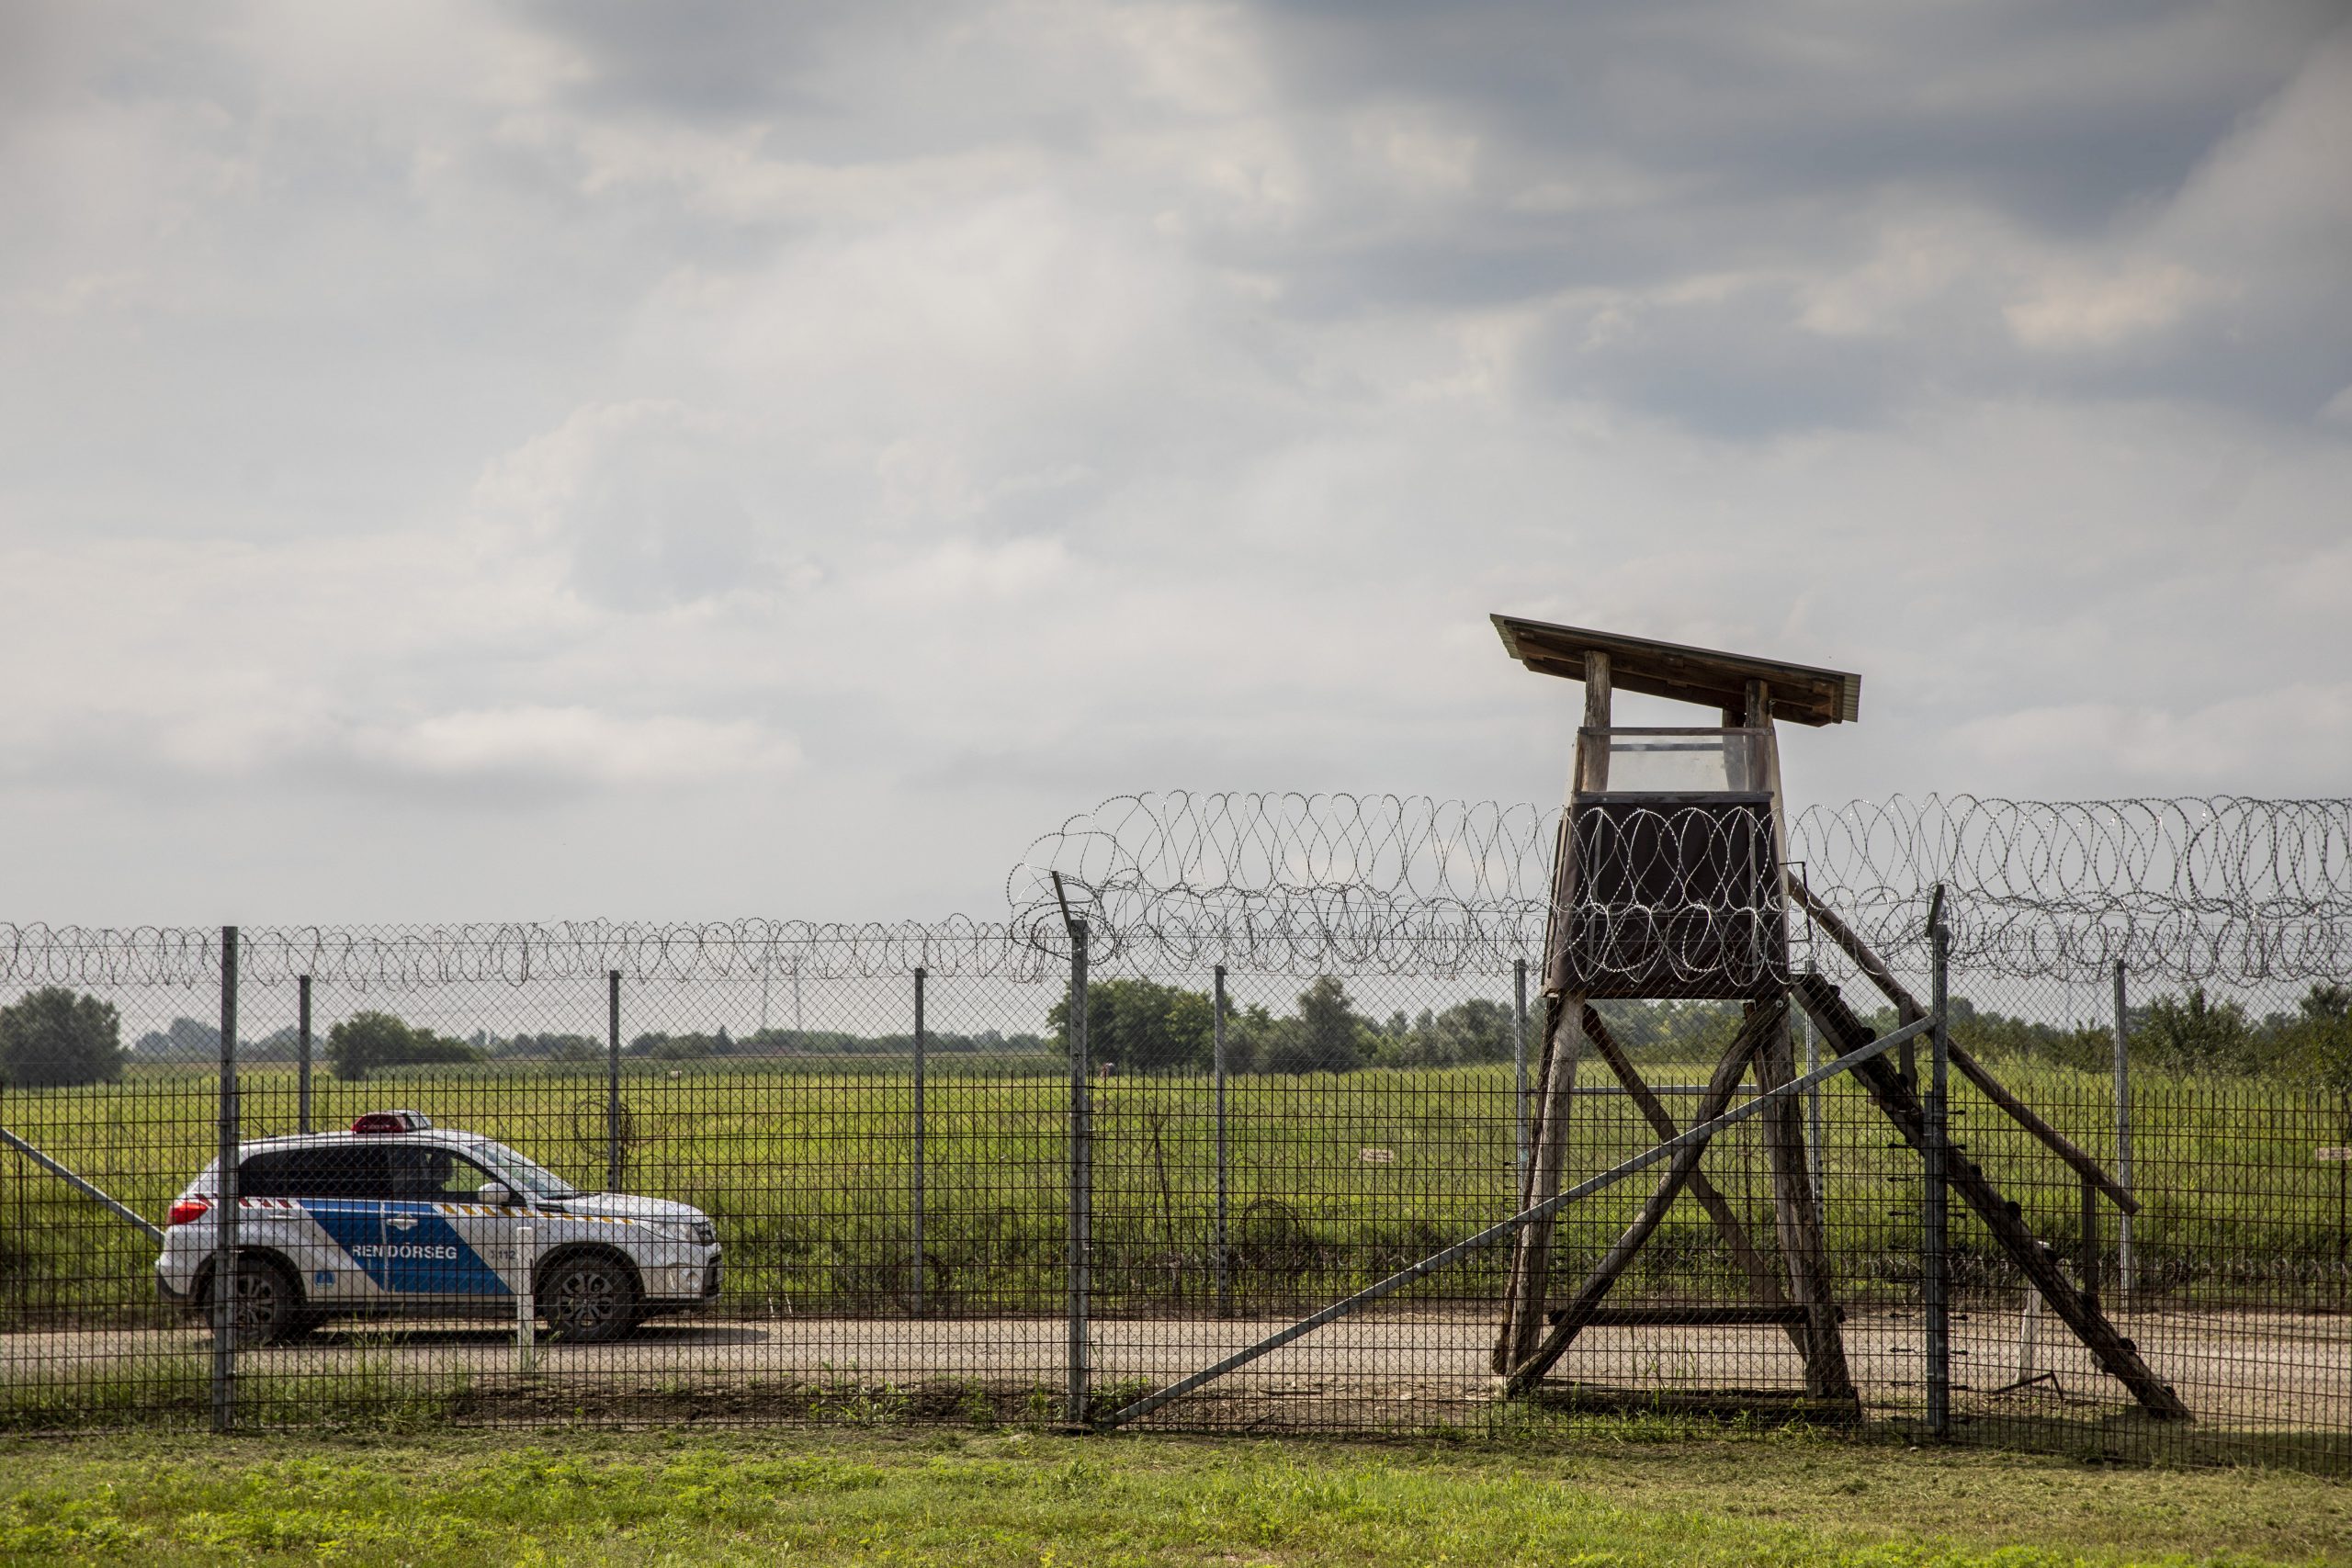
{"type": "Point", "coordinates": [1671, 881]}
{"type": "Point", "coordinates": [1667, 883]}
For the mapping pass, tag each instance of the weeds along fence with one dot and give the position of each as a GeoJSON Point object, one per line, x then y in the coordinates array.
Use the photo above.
{"type": "Point", "coordinates": [943, 1189]}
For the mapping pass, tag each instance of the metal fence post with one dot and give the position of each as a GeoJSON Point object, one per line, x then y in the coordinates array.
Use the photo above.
{"type": "Point", "coordinates": [2125, 1275]}
{"type": "Point", "coordinates": [1519, 1064]}
{"type": "Point", "coordinates": [1816, 1135]}
{"type": "Point", "coordinates": [613, 1080]}
{"type": "Point", "coordinates": [1224, 1166]}
{"type": "Point", "coordinates": [527, 1331]}
{"type": "Point", "coordinates": [920, 975]}
{"type": "Point", "coordinates": [2089, 1267]}
{"type": "Point", "coordinates": [1938, 1310]}
{"type": "Point", "coordinates": [1081, 1175]}
{"type": "Point", "coordinates": [224, 1230]}
{"type": "Point", "coordinates": [302, 1025]}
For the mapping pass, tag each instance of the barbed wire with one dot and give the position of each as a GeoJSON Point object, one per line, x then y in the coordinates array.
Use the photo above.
{"type": "Point", "coordinates": [2191, 889]}
{"type": "Point", "coordinates": [2213, 888]}
{"type": "Point", "coordinates": [519, 954]}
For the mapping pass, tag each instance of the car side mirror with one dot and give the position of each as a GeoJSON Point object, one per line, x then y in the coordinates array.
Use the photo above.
{"type": "Point", "coordinates": [496, 1193]}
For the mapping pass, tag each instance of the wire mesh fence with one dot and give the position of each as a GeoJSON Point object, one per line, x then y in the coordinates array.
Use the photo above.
{"type": "Point", "coordinates": [779, 1172]}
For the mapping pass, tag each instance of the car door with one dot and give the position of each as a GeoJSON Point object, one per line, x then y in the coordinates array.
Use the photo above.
{"type": "Point", "coordinates": [426, 1257]}
{"type": "Point", "coordinates": [273, 1187]}
{"type": "Point", "coordinates": [342, 1187]}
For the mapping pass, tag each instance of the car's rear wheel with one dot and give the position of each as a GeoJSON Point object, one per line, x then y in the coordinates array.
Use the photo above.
{"type": "Point", "coordinates": [267, 1306]}
{"type": "Point", "coordinates": [588, 1299]}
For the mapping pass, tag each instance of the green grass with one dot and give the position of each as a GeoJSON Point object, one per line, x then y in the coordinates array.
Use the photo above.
{"type": "Point", "coordinates": [810, 1176]}
{"type": "Point", "coordinates": [1612, 1493]}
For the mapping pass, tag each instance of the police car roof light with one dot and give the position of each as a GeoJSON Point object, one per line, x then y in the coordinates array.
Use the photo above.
{"type": "Point", "coordinates": [392, 1122]}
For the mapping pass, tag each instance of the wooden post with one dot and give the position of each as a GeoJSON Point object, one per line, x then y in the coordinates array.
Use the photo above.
{"type": "Point", "coordinates": [1597, 694]}
{"type": "Point", "coordinates": [1798, 1220]}
{"type": "Point", "coordinates": [1531, 1264]}
{"type": "Point", "coordinates": [1547, 1132]}
{"type": "Point", "coordinates": [1796, 1216]}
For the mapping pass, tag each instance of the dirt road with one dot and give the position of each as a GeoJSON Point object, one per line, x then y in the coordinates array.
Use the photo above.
{"type": "Point", "coordinates": [2236, 1370]}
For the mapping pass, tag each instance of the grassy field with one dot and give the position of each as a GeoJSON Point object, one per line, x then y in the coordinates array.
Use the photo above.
{"type": "Point", "coordinates": [1335, 1178]}
{"type": "Point", "coordinates": [1616, 1492]}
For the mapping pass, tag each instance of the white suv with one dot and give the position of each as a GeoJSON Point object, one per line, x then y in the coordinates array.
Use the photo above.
{"type": "Point", "coordinates": [397, 1217]}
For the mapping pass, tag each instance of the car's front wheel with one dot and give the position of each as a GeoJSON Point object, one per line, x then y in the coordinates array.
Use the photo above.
{"type": "Point", "coordinates": [588, 1299]}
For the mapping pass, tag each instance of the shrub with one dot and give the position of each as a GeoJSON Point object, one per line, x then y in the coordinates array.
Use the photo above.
{"type": "Point", "coordinates": [366, 1041]}
{"type": "Point", "coordinates": [2194, 1034]}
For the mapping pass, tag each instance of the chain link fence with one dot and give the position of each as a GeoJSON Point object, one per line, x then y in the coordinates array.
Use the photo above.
{"type": "Point", "coordinates": [1206, 1089]}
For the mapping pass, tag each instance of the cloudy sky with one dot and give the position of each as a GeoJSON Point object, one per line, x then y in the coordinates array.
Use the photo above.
{"type": "Point", "coordinates": [477, 460]}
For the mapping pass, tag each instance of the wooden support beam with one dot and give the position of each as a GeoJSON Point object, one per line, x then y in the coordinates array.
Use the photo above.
{"type": "Point", "coordinates": [1906, 1006]}
{"type": "Point", "coordinates": [1798, 1219]}
{"type": "Point", "coordinates": [1592, 751]}
{"type": "Point", "coordinates": [1526, 1371]}
{"type": "Point", "coordinates": [1907, 1010]}
{"type": "Point", "coordinates": [2113, 1352]}
{"type": "Point", "coordinates": [1547, 1133]}
{"type": "Point", "coordinates": [1531, 1261]}
{"type": "Point", "coordinates": [1796, 1209]}
{"type": "Point", "coordinates": [1762, 1277]}
{"type": "Point", "coordinates": [2050, 1137]}
{"type": "Point", "coordinates": [1680, 1317]}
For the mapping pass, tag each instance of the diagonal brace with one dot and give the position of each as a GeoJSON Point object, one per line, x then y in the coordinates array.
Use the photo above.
{"type": "Point", "coordinates": [1761, 1276]}
{"type": "Point", "coordinates": [1504, 1229]}
{"type": "Point", "coordinates": [89, 1190]}
{"type": "Point", "coordinates": [1526, 1369]}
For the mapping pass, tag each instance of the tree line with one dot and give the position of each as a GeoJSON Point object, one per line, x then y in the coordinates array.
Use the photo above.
{"type": "Point", "coordinates": [2192, 1032]}
{"type": "Point", "coordinates": [1136, 1025]}
{"type": "Point", "coordinates": [58, 1036]}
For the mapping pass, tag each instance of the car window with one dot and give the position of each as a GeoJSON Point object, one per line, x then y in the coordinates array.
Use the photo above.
{"type": "Point", "coordinates": [272, 1175]}
{"type": "Point", "coordinates": [523, 1175]}
{"type": "Point", "coordinates": [427, 1173]}
{"type": "Point", "coordinates": [354, 1171]}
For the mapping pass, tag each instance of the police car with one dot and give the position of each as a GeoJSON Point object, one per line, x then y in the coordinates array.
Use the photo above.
{"type": "Point", "coordinates": [397, 1217]}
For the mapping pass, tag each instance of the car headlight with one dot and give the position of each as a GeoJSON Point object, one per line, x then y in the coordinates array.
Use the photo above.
{"type": "Point", "coordinates": [701, 1231]}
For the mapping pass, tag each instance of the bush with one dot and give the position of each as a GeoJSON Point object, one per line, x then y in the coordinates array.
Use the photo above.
{"type": "Point", "coordinates": [1141, 1026]}
{"type": "Point", "coordinates": [2326, 1026]}
{"type": "Point", "coordinates": [2194, 1034]}
{"type": "Point", "coordinates": [1474, 1031]}
{"type": "Point", "coordinates": [366, 1041]}
{"type": "Point", "coordinates": [55, 1036]}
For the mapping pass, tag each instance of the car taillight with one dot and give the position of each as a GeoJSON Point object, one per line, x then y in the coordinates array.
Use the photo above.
{"type": "Point", "coordinates": [188, 1208]}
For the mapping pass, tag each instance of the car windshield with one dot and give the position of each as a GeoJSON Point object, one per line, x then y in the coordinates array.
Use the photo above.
{"type": "Point", "coordinates": [520, 1173]}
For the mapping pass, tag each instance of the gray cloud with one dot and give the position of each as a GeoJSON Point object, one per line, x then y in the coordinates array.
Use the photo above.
{"type": "Point", "coordinates": [2066, 114]}
{"type": "Point", "coordinates": [809, 451]}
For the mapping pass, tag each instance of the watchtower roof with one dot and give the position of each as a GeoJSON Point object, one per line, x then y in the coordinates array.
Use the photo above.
{"type": "Point", "coordinates": [1800, 694]}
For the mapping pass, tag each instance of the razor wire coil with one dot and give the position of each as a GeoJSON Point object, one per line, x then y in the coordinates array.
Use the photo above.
{"type": "Point", "coordinates": [2187, 889]}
